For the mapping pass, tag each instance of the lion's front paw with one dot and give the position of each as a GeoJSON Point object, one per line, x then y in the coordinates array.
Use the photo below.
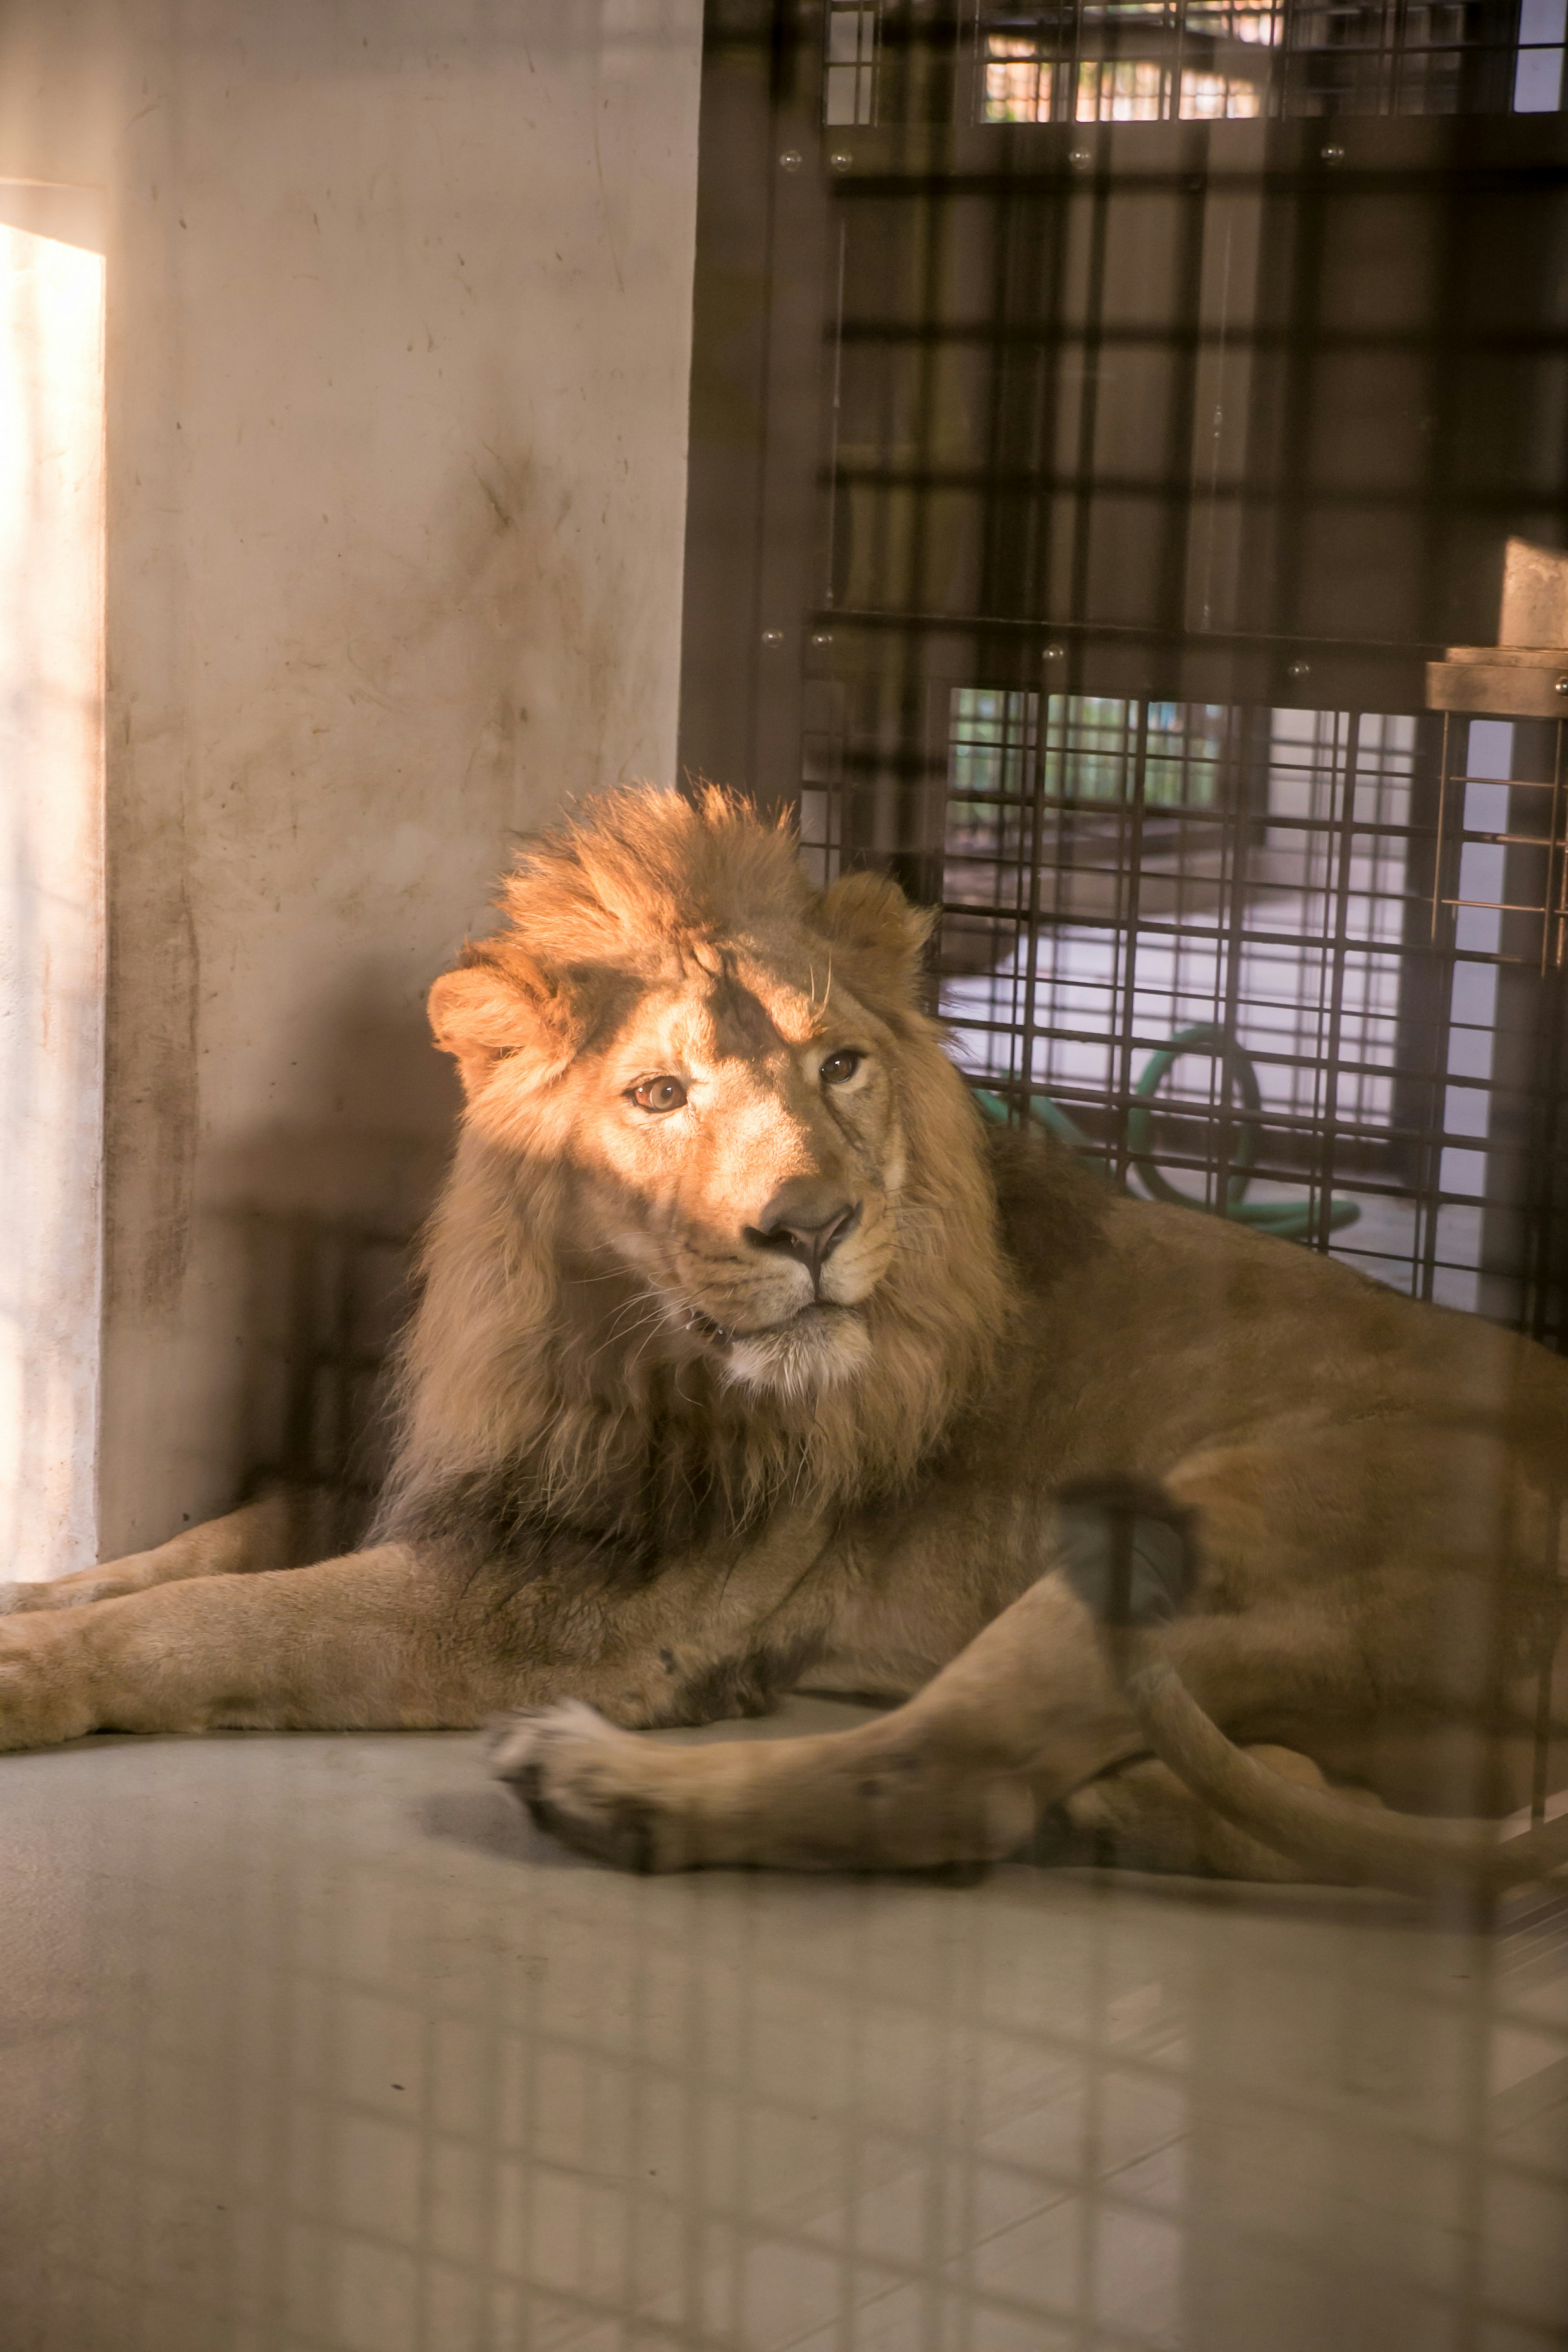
{"type": "Point", "coordinates": [44, 1686]}
{"type": "Point", "coordinates": [588, 1784]}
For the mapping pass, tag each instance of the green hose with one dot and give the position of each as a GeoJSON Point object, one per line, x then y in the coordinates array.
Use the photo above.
{"type": "Point", "coordinates": [1293, 1220]}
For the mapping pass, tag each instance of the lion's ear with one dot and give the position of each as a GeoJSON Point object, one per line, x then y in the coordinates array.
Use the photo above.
{"type": "Point", "coordinates": [484, 1012]}
{"type": "Point", "coordinates": [869, 913]}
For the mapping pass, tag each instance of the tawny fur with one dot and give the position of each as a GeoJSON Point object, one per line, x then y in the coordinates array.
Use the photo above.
{"type": "Point", "coordinates": [652, 1462]}
{"type": "Point", "coordinates": [510, 1371]}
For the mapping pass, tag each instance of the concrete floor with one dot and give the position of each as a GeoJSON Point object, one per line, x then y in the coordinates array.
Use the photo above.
{"type": "Point", "coordinates": [315, 2043]}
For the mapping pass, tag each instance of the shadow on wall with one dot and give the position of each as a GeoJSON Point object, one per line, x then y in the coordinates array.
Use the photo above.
{"type": "Point", "coordinates": [318, 1221]}
{"type": "Point", "coordinates": [325, 1302]}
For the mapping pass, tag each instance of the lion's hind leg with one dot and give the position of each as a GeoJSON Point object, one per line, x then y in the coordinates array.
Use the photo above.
{"type": "Point", "coordinates": [1021, 1722]}
{"type": "Point", "coordinates": [1143, 1818]}
{"type": "Point", "coordinates": [1023, 1717]}
{"type": "Point", "coordinates": [270, 1532]}
{"type": "Point", "coordinates": [836, 1804]}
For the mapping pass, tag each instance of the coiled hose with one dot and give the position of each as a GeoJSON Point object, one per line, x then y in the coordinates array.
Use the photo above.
{"type": "Point", "coordinates": [1290, 1220]}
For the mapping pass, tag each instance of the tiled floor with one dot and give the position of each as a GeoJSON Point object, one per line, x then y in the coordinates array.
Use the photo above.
{"type": "Point", "coordinates": [314, 2043]}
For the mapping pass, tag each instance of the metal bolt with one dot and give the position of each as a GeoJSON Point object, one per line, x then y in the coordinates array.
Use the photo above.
{"type": "Point", "coordinates": [1054, 653]}
{"type": "Point", "coordinates": [841, 162]}
{"type": "Point", "coordinates": [1080, 159]}
{"type": "Point", "coordinates": [1560, 685]}
{"type": "Point", "coordinates": [823, 638]}
{"type": "Point", "coordinates": [1300, 669]}
{"type": "Point", "coordinates": [791, 159]}
{"type": "Point", "coordinates": [1333, 154]}
{"type": "Point", "coordinates": [772, 636]}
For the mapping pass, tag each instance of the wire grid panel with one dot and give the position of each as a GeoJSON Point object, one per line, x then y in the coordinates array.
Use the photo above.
{"type": "Point", "coordinates": [1118, 872]}
{"type": "Point", "coordinates": [1108, 983]}
{"type": "Point", "coordinates": [1205, 61]}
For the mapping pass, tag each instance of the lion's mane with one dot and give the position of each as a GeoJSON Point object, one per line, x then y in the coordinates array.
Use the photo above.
{"type": "Point", "coordinates": [525, 1409]}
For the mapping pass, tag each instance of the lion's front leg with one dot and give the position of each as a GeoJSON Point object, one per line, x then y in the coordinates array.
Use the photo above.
{"type": "Point", "coordinates": [375, 1641]}
{"type": "Point", "coordinates": [388, 1639]}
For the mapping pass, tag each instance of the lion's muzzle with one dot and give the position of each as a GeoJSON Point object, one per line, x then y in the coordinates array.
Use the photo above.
{"type": "Point", "coordinates": [807, 1220]}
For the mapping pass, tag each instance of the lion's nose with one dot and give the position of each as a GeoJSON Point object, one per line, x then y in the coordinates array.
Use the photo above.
{"type": "Point", "coordinates": [806, 1219]}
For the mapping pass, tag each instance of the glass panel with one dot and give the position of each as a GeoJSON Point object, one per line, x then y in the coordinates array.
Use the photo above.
{"type": "Point", "coordinates": [849, 91]}
{"type": "Point", "coordinates": [1155, 60]}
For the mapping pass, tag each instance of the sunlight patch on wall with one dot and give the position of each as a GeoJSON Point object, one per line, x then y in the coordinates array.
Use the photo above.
{"type": "Point", "coordinates": [51, 890]}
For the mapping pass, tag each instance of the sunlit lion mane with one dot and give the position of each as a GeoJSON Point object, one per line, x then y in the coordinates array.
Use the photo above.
{"type": "Point", "coordinates": [538, 1389]}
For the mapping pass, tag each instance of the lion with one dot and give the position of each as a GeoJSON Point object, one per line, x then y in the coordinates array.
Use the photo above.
{"type": "Point", "coordinates": [749, 1357]}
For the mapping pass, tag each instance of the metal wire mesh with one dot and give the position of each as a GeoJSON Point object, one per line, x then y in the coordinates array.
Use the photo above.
{"type": "Point", "coordinates": [1324, 889]}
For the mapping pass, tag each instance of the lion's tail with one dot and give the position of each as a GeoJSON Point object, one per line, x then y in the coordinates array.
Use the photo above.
{"type": "Point", "coordinates": [1130, 1554]}
{"type": "Point", "coordinates": [1314, 1827]}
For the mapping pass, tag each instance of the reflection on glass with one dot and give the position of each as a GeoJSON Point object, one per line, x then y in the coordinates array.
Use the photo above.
{"type": "Point", "coordinates": [1197, 60]}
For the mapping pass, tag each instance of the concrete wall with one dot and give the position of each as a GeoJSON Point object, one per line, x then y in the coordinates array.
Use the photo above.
{"type": "Point", "coordinates": [399, 317]}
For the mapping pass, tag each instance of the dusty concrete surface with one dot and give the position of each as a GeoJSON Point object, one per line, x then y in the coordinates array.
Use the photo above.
{"type": "Point", "coordinates": [314, 2043]}
{"type": "Point", "coordinates": [399, 303]}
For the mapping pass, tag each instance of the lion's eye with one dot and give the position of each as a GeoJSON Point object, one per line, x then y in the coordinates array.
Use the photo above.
{"type": "Point", "coordinates": [658, 1094]}
{"type": "Point", "coordinates": [837, 1067]}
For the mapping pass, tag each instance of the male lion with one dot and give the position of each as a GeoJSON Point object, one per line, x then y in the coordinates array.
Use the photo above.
{"type": "Point", "coordinates": [749, 1356]}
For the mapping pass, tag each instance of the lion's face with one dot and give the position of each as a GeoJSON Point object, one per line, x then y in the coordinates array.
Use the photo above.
{"type": "Point", "coordinates": [702, 1070]}
{"type": "Point", "coordinates": [749, 1158]}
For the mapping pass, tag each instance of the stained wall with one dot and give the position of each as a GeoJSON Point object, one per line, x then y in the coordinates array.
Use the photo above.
{"type": "Point", "coordinates": [398, 328]}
